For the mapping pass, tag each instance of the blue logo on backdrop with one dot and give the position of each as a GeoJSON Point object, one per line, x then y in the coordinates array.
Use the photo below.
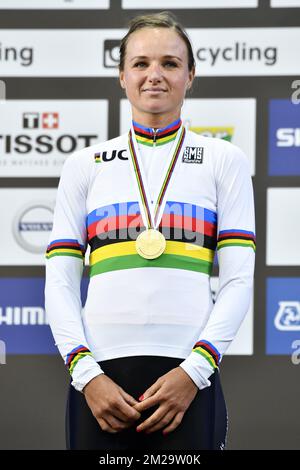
{"type": "Point", "coordinates": [283, 314]}
{"type": "Point", "coordinates": [23, 323]}
{"type": "Point", "coordinates": [284, 138]}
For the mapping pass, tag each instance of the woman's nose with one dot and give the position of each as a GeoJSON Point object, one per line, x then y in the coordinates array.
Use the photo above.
{"type": "Point", "coordinates": [154, 72]}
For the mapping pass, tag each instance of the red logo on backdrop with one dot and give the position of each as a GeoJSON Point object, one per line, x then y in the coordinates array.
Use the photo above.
{"type": "Point", "coordinates": [50, 120]}
{"type": "Point", "coordinates": [38, 120]}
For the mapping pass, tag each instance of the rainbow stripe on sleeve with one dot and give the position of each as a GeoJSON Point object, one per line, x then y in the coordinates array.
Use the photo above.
{"type": "Point", "coordinates": [208, 351]}
{"type": "Point", "coordinates": [65, 247]}
{"type": "Point", "coordinates": [236, 237]}
{"type": "Point", "coordinates": [75, 355]}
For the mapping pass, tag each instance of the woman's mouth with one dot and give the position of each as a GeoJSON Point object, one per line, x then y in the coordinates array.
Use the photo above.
{"type": "Point", "coordinates": [154, 91]}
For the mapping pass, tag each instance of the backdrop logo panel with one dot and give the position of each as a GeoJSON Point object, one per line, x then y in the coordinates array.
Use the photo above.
{"type": "Point", "coordinates": [111, 53]}
{"type": "Point", "coordinates": [23, 321]}
{"type": "Point", "coordinates": [283, 314]}
{"type": "Point", "coordinates": [283, 227]}
{"type": "Point", "coordinates": [285, 3]}
{"type": "Point", "coordinates": [56, 53]}
{"type": "Point", "coordinates": [243, 342]}
{"type": "Point", "coordinates": [32, 225]}
{"type": "Point", "coordinates": [54, 4]}
{"type": "Point", "coordinates": [27, 218]}
{"type": "Point", "coordinates": [92, 52]}
{"type": "Point", "coordinates": [37, 136]}
{"type": "Point", "coordinates": [284, 138]}
{"type": "Point", "coordinates": [231, 119]}
{"type": "Point", "coordinates": [172, 4]}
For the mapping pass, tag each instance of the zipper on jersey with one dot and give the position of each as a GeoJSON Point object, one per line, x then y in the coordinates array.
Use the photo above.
{"type": "Point", "coordinates": [154, 138]}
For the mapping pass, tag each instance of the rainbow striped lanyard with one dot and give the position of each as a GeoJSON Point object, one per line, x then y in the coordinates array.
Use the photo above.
{"type": "Point", "coordinates": [135, 159]}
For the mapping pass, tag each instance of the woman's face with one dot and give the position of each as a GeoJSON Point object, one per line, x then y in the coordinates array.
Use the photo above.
{"type": "Point", "coordinates": [156, 74]}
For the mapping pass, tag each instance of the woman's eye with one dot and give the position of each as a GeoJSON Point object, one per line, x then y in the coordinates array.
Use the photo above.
{"type": "Point", "coordinates": [139, 64]}
{"type": "Point", "coordinates": [172, 64]}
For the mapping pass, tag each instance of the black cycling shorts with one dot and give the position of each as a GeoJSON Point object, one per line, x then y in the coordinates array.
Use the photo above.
{"type": "Point", "coordinates": [203, 426]}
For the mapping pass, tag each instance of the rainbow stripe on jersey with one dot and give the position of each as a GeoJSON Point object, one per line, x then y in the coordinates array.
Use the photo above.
{"type": "Point", "coordinates": [190, 232]}
{"type": "Point", "coordinates": [235, 237]}
{"type": "Point", "coordinates": [75, 355]}
{"type": "Point", "coordinates": [146, 135]}
{"type": "Point", "coordinates": [208, 351]}
{"type": "Point", "coordinates": [65, 247]}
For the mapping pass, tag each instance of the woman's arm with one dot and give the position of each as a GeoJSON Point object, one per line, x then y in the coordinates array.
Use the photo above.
{"type": "Point", "coordinates": [236, 257]}
{"type": "Point", "coordinates": [64, 268]}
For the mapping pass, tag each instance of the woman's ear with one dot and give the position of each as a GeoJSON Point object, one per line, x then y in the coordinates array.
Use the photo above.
{"type": "Point", "coordinates": [191, 78]}
{"type": "Point", "coordinates": [121, 79]}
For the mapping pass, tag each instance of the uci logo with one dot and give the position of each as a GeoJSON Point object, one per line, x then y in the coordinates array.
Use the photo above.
{"type": "Point", "coordinates": [109, 156]}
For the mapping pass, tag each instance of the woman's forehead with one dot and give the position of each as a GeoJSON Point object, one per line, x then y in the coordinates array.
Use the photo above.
{"type": "Point", "coordinates": [144, 42]}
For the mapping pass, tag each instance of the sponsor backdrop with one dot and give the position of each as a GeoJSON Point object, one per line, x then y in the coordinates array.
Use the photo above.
{"type": "Point", "coordinates": [59, 92]}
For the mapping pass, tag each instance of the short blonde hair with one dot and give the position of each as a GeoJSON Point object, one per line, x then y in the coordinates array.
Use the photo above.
{"type": "Point", "coordinates": [164, 19]}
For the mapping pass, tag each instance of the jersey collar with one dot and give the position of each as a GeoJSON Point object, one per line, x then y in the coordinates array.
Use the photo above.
{"type": "Point", "coordinates": [150, 136]}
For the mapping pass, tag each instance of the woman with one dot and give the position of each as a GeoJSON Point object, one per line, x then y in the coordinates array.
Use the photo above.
{"type": "Point", "coordinates": [153, 204]}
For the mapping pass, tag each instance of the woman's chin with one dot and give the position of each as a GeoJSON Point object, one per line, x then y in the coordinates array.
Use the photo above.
{"type": "Point", "coordinates": [155, 108]}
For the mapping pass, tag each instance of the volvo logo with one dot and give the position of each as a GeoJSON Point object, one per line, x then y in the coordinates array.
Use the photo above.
{"type": "Point", "coordinates": [32, 225]}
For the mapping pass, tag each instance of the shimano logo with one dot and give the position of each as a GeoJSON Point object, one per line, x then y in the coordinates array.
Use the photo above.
{"type": "Point", "coordinates": [288, 137]}
{"type": "Point", "coordinates": [23, 316]}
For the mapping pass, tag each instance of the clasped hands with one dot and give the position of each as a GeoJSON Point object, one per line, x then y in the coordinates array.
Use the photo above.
{"type": "Point", "coordinates": [116, 410]}
{"type": "Point", "coordinates": [174, 392]}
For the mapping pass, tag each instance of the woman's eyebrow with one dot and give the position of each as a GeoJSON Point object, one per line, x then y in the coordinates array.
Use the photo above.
{"type": "Point", "coordinates": [164, 57]}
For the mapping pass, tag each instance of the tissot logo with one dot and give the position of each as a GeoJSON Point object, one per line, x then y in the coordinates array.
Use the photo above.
{"type": "Point", "coordinates": [193, 155]}
{"type": "Point", "coordinates": [39, 134]}
{"type": "Point", "coordinates": [40, 120]}
{"type": "Point", "coordinates": [43, 143]}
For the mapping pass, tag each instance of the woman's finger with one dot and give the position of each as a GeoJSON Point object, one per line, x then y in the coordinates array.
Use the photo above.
{"type": "Point", "coordinates": [162, 423]}
{"type": "Point", "coordinates": [158, 414]}
{"type": "Point", "coordinates": [105, 426]}
{"type": "Point", "coordinates": [174, 423]}
{"type": "Point", "coordinates": [130, 399]}
{"type": "Point", "coordinates": [151, 390]}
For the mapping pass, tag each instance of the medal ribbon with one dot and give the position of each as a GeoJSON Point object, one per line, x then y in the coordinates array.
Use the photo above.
{"type": "Point", "coordinates": [165, 182]}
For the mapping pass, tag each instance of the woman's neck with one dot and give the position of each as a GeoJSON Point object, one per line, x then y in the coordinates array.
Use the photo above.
{"type": "Point", "coordinates": [156, 121]}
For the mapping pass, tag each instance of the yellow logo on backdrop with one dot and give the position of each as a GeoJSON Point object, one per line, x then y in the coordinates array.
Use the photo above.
{"type": "Point", "coordinates": [225, 133]}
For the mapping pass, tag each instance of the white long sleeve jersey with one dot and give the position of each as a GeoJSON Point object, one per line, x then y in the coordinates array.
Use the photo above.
{"type": "Point", "coordinates": [162, 306]}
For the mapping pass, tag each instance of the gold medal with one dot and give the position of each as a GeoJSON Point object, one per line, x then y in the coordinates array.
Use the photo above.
{"type": "Point", "coordinates": [150, 243]}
